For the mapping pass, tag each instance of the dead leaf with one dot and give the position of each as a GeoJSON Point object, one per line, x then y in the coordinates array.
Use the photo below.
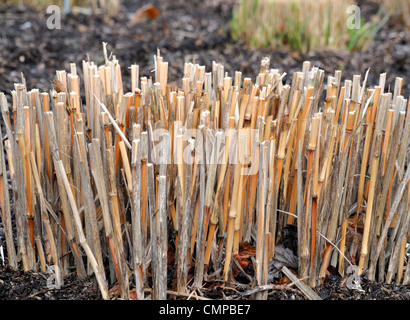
{"type": "Point", "coordinates": [133, 294]}
{"type": "Point", "coordinates": [147, 11]}
{"type": "Point", "coordinates": [284, 257]}
{"type": "Point", "coordinates": [246, 250]}
{"type": "Point", "coordinates": [284, 281]}
{"type": "Point", "coordinates": [242, 261]}
{"type": "Point", "coordinates": [114, 291]}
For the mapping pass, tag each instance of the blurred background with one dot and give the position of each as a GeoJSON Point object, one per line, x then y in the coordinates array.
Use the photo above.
{"type": "Point", "coordinates": [237, 33]}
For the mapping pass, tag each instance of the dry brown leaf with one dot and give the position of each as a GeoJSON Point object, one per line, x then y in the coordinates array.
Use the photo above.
{"type": "Point", "coordinates": [115, 291]}
{"type": "Point", "coordinates": [147, 11]}
{"type": "Point", "coordinates": [246, 250]}
{"type": "Point", "coordinates": [242, 261]}
{"type": "Point", "coordinates": [133, 294]}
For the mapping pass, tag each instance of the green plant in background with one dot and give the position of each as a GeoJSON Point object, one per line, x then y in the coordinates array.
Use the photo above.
{"type": "Point", "coordinates": [301, 25]}
{"type": "Point", "coordinates": [359, 38]}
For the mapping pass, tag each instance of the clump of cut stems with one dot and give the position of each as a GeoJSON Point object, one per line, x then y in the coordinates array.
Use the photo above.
{"type": "Point", "coordinates": [126, 184]}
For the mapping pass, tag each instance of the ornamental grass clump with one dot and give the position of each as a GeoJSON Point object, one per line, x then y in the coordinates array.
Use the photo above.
{"type": "Point", "coordinates": [159, 190]}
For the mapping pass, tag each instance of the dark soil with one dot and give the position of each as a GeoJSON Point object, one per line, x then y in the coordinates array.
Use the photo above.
{"type": "Point", "coordinates": [196, 31]}
{"type": "Point", "coordinates": [19, 285]}
{"type": "Point", "coordinates": [333, 289]}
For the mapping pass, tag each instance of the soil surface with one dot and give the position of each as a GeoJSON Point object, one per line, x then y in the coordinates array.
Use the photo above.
{"type": "Point", "coordinates": [196, 31]}
{"type": "Point", "coordinates": [18, 285]}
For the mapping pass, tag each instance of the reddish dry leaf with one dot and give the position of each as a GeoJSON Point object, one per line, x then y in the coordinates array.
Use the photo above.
{"type": "Point", "coordinates": [147, 11]}
{"type": "Point", "coordinates": [284, 280]}
{"type": "Point", "coordinates": [242, 261]}
{"type": "Point", "coordinates": [246, 250]}
{"type": "Point", "coordinates": [133, 294]}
